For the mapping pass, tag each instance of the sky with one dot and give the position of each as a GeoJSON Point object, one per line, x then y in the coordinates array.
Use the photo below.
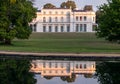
{"type": "Point", "coordinates": [80, 3]}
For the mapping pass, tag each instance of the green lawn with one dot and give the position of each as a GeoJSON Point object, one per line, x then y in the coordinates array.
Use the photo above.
{"type": "Point", "coordinates": [63, 42]}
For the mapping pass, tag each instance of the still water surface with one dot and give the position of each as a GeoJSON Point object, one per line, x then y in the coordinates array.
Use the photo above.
{"type": "Point", "coordinates": [14, 71]}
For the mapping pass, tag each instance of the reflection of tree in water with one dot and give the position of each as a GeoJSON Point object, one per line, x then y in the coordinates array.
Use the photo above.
{"type": "Point", "coordinates": [88, 75]}
{"type": "Point", "coordinates": [16, 72]}
{"type": "Point", "coordinates": [108, 73]}
{"type": "Point", "coordinates": [68, 78]}
{"type": "Point", "coordinates": [48, 77]}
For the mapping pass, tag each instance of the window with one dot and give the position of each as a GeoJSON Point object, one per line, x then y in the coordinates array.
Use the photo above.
{"type": "Point", "coordinates": [56, 12]}
{"type": "Point", "coordinates": [62, 30]}
{"type": "Point", "coordinates": [85, 27]}
{"type": "Point", "coordinates": [50, 65]}
{"type": "Point", "coordinates": [44, 28]}
{"type": "Point", "coordinates": [80, 66]}
{"type": "Point", "coordinates": [50, 28]}
{"type": "Point", "coordinates": [61, 65]}
{"type": "Point", "coordinates": [85, 18]}
{"type": "Point", "coordinates": [61, 19]}
{"type": "Point", "coordinates": [80, 18]}
{"type": "Point", "coordinates": [62, 12]}
{"type": "Point", "coordinates": [55, 65]}
{"type": "Point", "coordinates": [56, 28]}
{"type": "Point", "coordinates": [68, 28]}
{"type": "Point", "coordinates": [93, 19]}
{"type": "Point", "coordinates": [50, 19]}
{"type": "Point", "coordinates": [44, 19]}
{"type": "Point", "coordinates": [56, 19]}
{"type": "Point", "coordinates": [76, 18]}
{"type": "Point", "coordinates": [77, 27]}
{"type": "Point", "coordinates": [34, 28]}
{"type": "Point", "coordinates": [50, 12]}
{"type": "Point", "coordinates": [44, 12]}
{"type": "Point", "coordinates": [44, 64]}
{"type": "Point", "coordinates": [80, 27]}
{"type": "Point", "coordinates": [85, 66]}
{"type": "Point", "coordinates": [77, 66]}
{"type": "Point", "coordinates": [44, 71]}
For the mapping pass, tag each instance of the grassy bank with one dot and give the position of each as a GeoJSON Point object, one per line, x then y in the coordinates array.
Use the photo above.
{"type": "Point", "coordinates": [63, 42]}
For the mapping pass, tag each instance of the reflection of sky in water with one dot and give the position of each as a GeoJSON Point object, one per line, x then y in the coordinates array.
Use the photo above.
{"type": "Point", "coordinates": [56, 80]}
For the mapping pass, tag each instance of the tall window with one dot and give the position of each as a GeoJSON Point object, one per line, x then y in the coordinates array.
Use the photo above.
{"type": "Point", "coordinates": [76, 18]}
{"type": "Point", "coordinates": [85, 18]}
{"type": "Point", "coordinates": [56, 19]}
{"type": "Point", "coordinates": [62, 12]}
{"type": "Point", "coordinates": [61, 19]}
{"type": "Point", "coordinates": [77, 27]}
{"type": "Point", "coordinates": [68, 28]}
{"type": "Point", "coordinates": [56, 28]}
{"type": "Point", "coordinates": [80, 27]}
{"type": "Point", "coordinates": [50, 12]}
{"type": "Point", "coordinates": [50, 28]}
{"type": "Point", "coordinates": [44, 12]}
{"type": "Point", "coordinates": [50, 65]}
{"type": "Point", "coordinates": [85, 27]}
{"type": "Point", "coordinates": [44, 28]}
{"type": "Point", "coordinates": [62, 29]}
{"type": "Point", "coordinates": [34, 29]}
{"type": "Point", "coordinates": [93, 19]}
{"type": "Point", "coordinates": [80, 18]}
{"type": "Point", "coordinates": [44, 19]}
{"type": "Point", "coordinates": [50, 19]}
{"type": "Point", "coordinates": [56, 12]}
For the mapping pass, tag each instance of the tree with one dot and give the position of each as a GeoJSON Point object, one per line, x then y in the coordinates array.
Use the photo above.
{"type": "Point", "coordinates": [68, 4]}
{"type": "Point", "coordinates": [98, 14]}
{"type": "Point", "coordinates": [108, 72]}
{"type": "Point", "coordinates": [49, 6]}
{"type": "Point", "coordinates": [15, 16]}
{"type": "Point", "coordinates": [16, 72]}
{"type": "Point", "coordinates": [109, 21]}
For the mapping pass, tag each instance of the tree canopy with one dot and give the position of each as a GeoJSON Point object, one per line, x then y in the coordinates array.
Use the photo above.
{"type": "Point", "coordinates": [15, 16]}
{"type": "Point", "coordinates": [68, 4]}
{"type": "Point", "coordinates": [109, 21]}
{"type": "Point", "coordinates": [49, 6]}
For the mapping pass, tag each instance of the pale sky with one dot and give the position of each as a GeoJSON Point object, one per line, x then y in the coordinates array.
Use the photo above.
{"type": "Point", "coordinates": [80, 3]}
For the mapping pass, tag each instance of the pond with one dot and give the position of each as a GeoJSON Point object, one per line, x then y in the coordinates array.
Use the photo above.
{"type": "Point", "coordinates": [43, 71]}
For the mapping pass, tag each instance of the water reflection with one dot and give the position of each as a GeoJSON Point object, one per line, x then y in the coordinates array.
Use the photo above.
{"type": "Point", "coordinates": [66, 70]}
{"type": "Point", "coordinates": [108, 72]}
{"type": "Point", "coordinates": [15, 72]}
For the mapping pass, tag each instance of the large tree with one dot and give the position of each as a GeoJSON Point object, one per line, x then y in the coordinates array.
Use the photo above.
{"type": "Point", "coordinates": [109, 21]}
{"type": "Point", "coordinates": [15, 16]}
{"type": "Point", "coordinates": [49, 6]}
{"type": "Point", "coordinates": [68, 4]}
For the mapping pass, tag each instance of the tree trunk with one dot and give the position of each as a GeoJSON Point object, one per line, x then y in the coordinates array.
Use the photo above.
{"type": "Point", "coordinates": [7, 41]}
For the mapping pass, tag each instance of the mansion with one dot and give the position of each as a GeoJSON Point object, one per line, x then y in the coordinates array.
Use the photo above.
{"type": "Point", "coordinates": [63, 20]}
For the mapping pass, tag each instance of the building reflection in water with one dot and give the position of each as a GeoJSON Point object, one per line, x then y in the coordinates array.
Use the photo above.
{"type": "Point", "coordinates": [50, 68]}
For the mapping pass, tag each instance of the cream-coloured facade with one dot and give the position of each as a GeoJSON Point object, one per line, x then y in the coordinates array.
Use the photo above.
{"type": "Point", "coordinates": [62, 68]}
{"type": "Point", "coordinates": [63, 20]}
